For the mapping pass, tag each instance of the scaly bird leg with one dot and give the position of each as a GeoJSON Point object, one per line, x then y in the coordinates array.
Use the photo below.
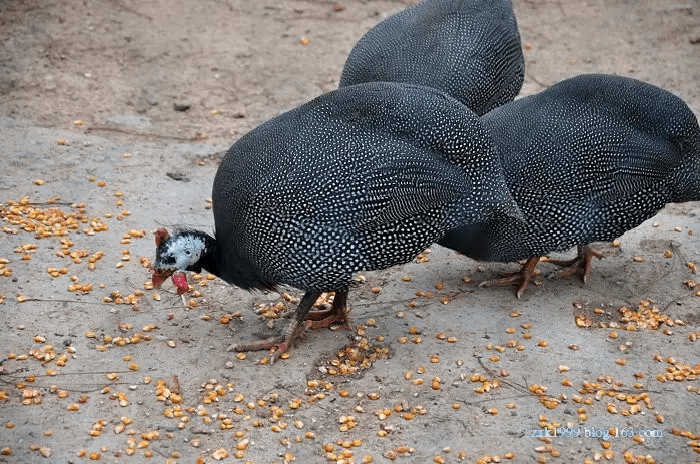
{"type": "Point", "coordinates": [293, 330]}
{"type": "Point", "coordinates": [524, 277]}
{"type": "Point", "coordinates": [582, 261]}
{"type": "Point", "coordinates": [338, 313]}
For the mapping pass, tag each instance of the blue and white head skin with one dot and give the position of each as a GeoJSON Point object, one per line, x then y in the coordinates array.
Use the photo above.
{"type": "Point", "coordinates": [187, 250]}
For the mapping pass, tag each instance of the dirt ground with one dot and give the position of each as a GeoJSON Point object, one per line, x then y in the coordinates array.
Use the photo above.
{"type": "Point", "coordinates": [98, 366]}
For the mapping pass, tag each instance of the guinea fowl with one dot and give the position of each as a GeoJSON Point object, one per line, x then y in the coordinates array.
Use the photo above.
{"type": "Point", "coordinates": [362, 178]}
{"type": "Point", "coordinates": [585, 160]}
{"type": "Point", "coordinates": [469, 49]}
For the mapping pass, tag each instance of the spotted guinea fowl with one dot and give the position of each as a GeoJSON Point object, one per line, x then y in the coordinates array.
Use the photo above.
{"type": "Point", "coordinates": [362, 178]}
{"type": "Point", "coordinates": [585, 160]}
{"type": "Point", "coordinates": [469, 49]}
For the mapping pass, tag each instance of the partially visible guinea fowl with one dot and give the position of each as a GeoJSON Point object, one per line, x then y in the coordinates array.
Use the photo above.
{"type": "Point", "coordinates": [585, 160]}
{"type": "Point", "coordinates": [469, 49]}
{"type": "Point", "coordinates": [362, 178]}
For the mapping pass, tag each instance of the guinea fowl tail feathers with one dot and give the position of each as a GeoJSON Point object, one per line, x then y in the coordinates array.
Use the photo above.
{"type": "Point", "coordinates": [672, 131]}
{"type": "Point", "coordinates": [687, 175]}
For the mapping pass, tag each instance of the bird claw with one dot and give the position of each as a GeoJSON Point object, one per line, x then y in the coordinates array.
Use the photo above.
{"type": "Point", "coordinates": [253, 346]}
{"type": "Point", "coordinates": [283, 343]}
{"type": "Point", "coordinates": [324, 318]}
{"type": "Point", "coordinates": [581, 262]}
{"type": "Point", "coordinates": [524, 277]}
{"type": "Point", "coordinates": [261, 345]}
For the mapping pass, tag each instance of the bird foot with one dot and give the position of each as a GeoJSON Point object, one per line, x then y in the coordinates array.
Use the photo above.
{"type": "Point", "coordinates": [580, 262]}
{"type": "Point", "coordinates": [323, 318]}
{"type": "Point", "coordinates": [264, 344]}
{"type": "Point", "coordinates": [296, 327]}
{"type": "Point", "coordinates": [284, 342]}
{"type": "Point", "coordinates": [523, 277]}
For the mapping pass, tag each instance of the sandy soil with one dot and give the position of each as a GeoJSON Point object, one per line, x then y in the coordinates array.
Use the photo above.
{"type": "Point", "coordinates": [97, 366]}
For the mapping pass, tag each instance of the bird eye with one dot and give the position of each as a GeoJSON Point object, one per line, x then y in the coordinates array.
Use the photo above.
{"type": "Point", "coordinates": [188, 252]}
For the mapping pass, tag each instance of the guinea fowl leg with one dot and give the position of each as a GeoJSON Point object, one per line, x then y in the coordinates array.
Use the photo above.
{"type": "Point", "coordinates": [524, 276]}
{"type": "Point", "coordinates": [582, 261]}
{"type": "Point", "coordinates": [338, 313]}
{"type": "Point", "coordinates": [291, 332]}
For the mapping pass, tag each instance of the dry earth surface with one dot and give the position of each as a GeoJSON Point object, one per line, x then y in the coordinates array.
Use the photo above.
{"type": "Point", "coordinates": [97, 366]}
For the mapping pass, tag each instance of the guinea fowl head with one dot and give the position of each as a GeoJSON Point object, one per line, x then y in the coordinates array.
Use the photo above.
{"type": "Point", "coordinates": [184, 251]}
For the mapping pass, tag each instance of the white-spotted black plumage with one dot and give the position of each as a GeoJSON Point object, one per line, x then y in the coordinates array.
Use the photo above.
{"type": "Point", "coordinates": [587, 160]}
{"type": "Point", "coordinates": [469, 49]}
{"type": "Point", "coordinates": [362, 178]}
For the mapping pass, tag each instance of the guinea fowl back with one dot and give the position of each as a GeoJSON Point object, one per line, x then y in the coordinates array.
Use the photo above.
{"type": "Point", "coordinates": [469, 49]}
{"type": "Point", "coordinates": [362, 178]}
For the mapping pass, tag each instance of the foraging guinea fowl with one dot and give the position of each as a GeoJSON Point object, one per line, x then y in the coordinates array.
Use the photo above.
{"type": "Point", "coordinates": [362, 178]}
{"type": "Point", "coordinates": [469, 49]}
{"type": "Point", "coordinates": [585, 160]}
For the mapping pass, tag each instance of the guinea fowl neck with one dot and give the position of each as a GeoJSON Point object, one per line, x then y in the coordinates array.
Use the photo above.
{"type": "Point", "coordinates": [209, 259]}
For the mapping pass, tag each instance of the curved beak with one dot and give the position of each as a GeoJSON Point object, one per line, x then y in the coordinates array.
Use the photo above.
{"type": "Point", "coordinates": [159, 276]}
